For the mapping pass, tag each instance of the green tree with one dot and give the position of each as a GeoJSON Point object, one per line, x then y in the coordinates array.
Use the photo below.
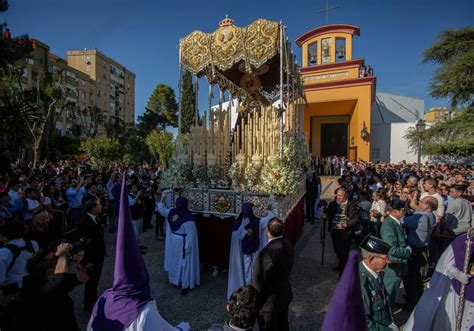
{"type": "Point", "coordinates": [161, 146]}
{"type": "Point", "coordinates": [453, 52]}
{"type": "Point", "coordinates": [149, 121]}
{"type": "Point", "coordinates": [451, 139]}
{"type": "Point", "coordinates": [101, 151]}
{"type": "Point", "coordinates": [90, 118]}
{"type": "Point", "coordinates": [162, 104]}
{"type": "Point", "coordinates": [188, 103]}
{"type": "Point", "coordinates": [131, 138]}
{"type": "Point", "coordinates": [454, 78]}
{"type": "Point", "coordinates": [47, 98]}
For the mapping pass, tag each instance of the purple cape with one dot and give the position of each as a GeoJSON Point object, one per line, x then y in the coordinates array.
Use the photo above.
{"type": "Point", "coordinates": [459, 249]}
{"type": "Point", "coordinates": [250, 242]}
{"type": "Point", "coordinates": [180, 214]}
{"type": "Point", "coordinates": [346, 310]}
{"type": "Point", "coordinates": [119, 306]}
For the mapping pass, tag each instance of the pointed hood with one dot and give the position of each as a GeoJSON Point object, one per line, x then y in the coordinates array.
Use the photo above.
{"type": "Point", "coordinates": [346, 310]}
{"type": "Point", "coordinates": [119, 306]}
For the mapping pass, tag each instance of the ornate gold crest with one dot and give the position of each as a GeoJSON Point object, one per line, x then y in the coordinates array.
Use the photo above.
{"type": "Point", "coordinates": [222, 203]}
{"type": "Point", "coordinates": [228, 45]}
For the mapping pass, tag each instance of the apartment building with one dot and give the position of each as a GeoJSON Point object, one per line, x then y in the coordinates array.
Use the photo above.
{"type": "Point", "coordinates": [80, 95]}
{"type": "Point", "coordinates": [90, 79]}
{"type": "Point", "coordinates": [115, 84]}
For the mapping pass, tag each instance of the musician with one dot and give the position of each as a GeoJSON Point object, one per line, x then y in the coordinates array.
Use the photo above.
{"type": "Point", "coordinates": [344, 222]}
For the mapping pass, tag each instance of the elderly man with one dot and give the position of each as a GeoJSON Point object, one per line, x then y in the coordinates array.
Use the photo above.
{"type": "Point", "coordinates": [418, 227]}
{"type": "Point", "coordinates": [38, 229]}
{"type": "Point", "coordinates": [392, 233]}
{"type": "Point", "coordinates": [344, 217]}
{"type": "Point", "coordinates": [377, 309]}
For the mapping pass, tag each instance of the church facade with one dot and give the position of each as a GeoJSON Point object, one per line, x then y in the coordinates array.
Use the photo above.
{"type": "Point", "coordinates": [344, 113]}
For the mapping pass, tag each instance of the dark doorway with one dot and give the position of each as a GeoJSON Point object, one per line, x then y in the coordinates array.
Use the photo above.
{"type": "Point", "coordinates": [334, 139]}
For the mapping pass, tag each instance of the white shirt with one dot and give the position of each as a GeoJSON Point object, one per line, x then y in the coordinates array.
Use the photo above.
{"type": "Point", "coordinates": [396, 220]}
{"type": "Point", "coordinates": [271, 239]}
{"type": "Point", "coordinates": [93, 217]}
{"type": "Point", "coordinates": [373, 273]}
{"type": "Point", "coordinates": [379, 206]}
{"type": "Point", "coordinates": [440, 211]}
{"type": "Point", "coordinates": [18, 270]}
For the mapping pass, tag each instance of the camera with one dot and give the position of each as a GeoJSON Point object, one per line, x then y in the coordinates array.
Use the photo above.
{"type": "Point", "coordinates": [79, 245]}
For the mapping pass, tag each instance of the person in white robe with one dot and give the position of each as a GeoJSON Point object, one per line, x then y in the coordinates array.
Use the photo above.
{"type": "Point", "coordinates": [438, 306]}
{"type": "Point", "coordinates": [181, 246]}
{"type": "Point", "coordinates": [128, 304]}
{"type": "Point", "coordinates": [249, 236]}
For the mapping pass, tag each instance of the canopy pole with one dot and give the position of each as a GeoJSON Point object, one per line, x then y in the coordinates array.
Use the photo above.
{"type": "Point", "coordinates": [280, 108]}
{"type": "Point", "coordinates": [196, 106]}
{"type": "Point", "coordinates": [180, 70]}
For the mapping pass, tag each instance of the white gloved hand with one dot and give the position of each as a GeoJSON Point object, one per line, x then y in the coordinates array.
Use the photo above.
{"type": "Point", "coordinates": [458, 275]}
{"type": "Point", "coordinates": [184, 326]}
{"type": "Point", "coordinates": [393, 327]}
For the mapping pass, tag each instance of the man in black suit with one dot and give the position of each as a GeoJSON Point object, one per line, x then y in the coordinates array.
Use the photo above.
{"type": "Point", "coordinates": [271, 277]}
{"type": "Point", "coordinates": [91, 230]}
{"type": "Point", "coordinates": [344, 225]}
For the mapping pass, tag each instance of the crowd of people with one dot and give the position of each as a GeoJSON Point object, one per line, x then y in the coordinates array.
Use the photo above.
{"type": "Point", "coordinates": [416, 211]}
{"type": "Point", "coordinates": [52, 225]}
{"type": "Point", "coordinates": [53, 219]}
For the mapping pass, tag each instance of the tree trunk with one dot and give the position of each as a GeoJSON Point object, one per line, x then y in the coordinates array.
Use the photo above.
{"type": "Point", "coordinates": [39, 132]}
{"type": "Point", "coordinates": [36, 152]}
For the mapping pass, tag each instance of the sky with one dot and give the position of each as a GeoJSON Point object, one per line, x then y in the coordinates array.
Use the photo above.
{"type": "Point", "coordinates": [143, 35]}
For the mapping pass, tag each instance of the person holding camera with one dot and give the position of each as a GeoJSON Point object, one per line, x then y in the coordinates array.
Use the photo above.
{"type": "Point", "coordinates": [45, 295]}
{"type": "Point", "coordinates": [91, 230]}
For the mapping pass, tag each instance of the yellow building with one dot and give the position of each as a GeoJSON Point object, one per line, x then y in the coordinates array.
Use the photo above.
{"type": "Point", "coordinates": [437, 114]}
{"type": "Point", "coordinates": [339, 91]}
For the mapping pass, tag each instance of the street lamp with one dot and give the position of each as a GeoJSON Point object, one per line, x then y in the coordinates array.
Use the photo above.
{"type": "Point", "coordinates": [420, 127]}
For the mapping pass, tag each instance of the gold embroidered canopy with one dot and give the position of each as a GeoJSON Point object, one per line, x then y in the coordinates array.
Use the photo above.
{"type": "Point", "coordinates": [233, 51]}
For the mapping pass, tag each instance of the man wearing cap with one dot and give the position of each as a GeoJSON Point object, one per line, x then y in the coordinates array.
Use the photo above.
{"type": "Point", "coordinates": [377, 308]}
{"type": "Point", "coordinates": [392, 233]}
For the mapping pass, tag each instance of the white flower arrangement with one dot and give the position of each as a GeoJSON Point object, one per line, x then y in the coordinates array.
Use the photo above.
{"type": "Point", "coordinates": [177, 176]}
{"type": "Point", "coordinates": [200, 176]}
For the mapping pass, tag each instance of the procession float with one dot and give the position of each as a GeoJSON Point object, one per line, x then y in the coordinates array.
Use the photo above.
{"type": "Point", "coordinates": [250, 146]}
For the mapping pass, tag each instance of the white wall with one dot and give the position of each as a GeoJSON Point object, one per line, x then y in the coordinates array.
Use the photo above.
{"type": "Point", "coordinates": [389, 144]}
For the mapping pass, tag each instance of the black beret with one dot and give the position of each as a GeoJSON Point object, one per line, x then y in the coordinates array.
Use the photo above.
{"type": "Point", "coordinates": [375, 245]}
{"type": "Point", "coordinates": [398, 204]}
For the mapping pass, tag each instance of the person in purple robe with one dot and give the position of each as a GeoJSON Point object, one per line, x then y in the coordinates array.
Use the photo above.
{"type": "Point", "coordinates": [181, 246]}
{"type": "Point", "coordinates": [439, 304]}
{"type": "Point", "coordinates": [128, 305]}
{"type": "Point", "coordinates": [248, 238]}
